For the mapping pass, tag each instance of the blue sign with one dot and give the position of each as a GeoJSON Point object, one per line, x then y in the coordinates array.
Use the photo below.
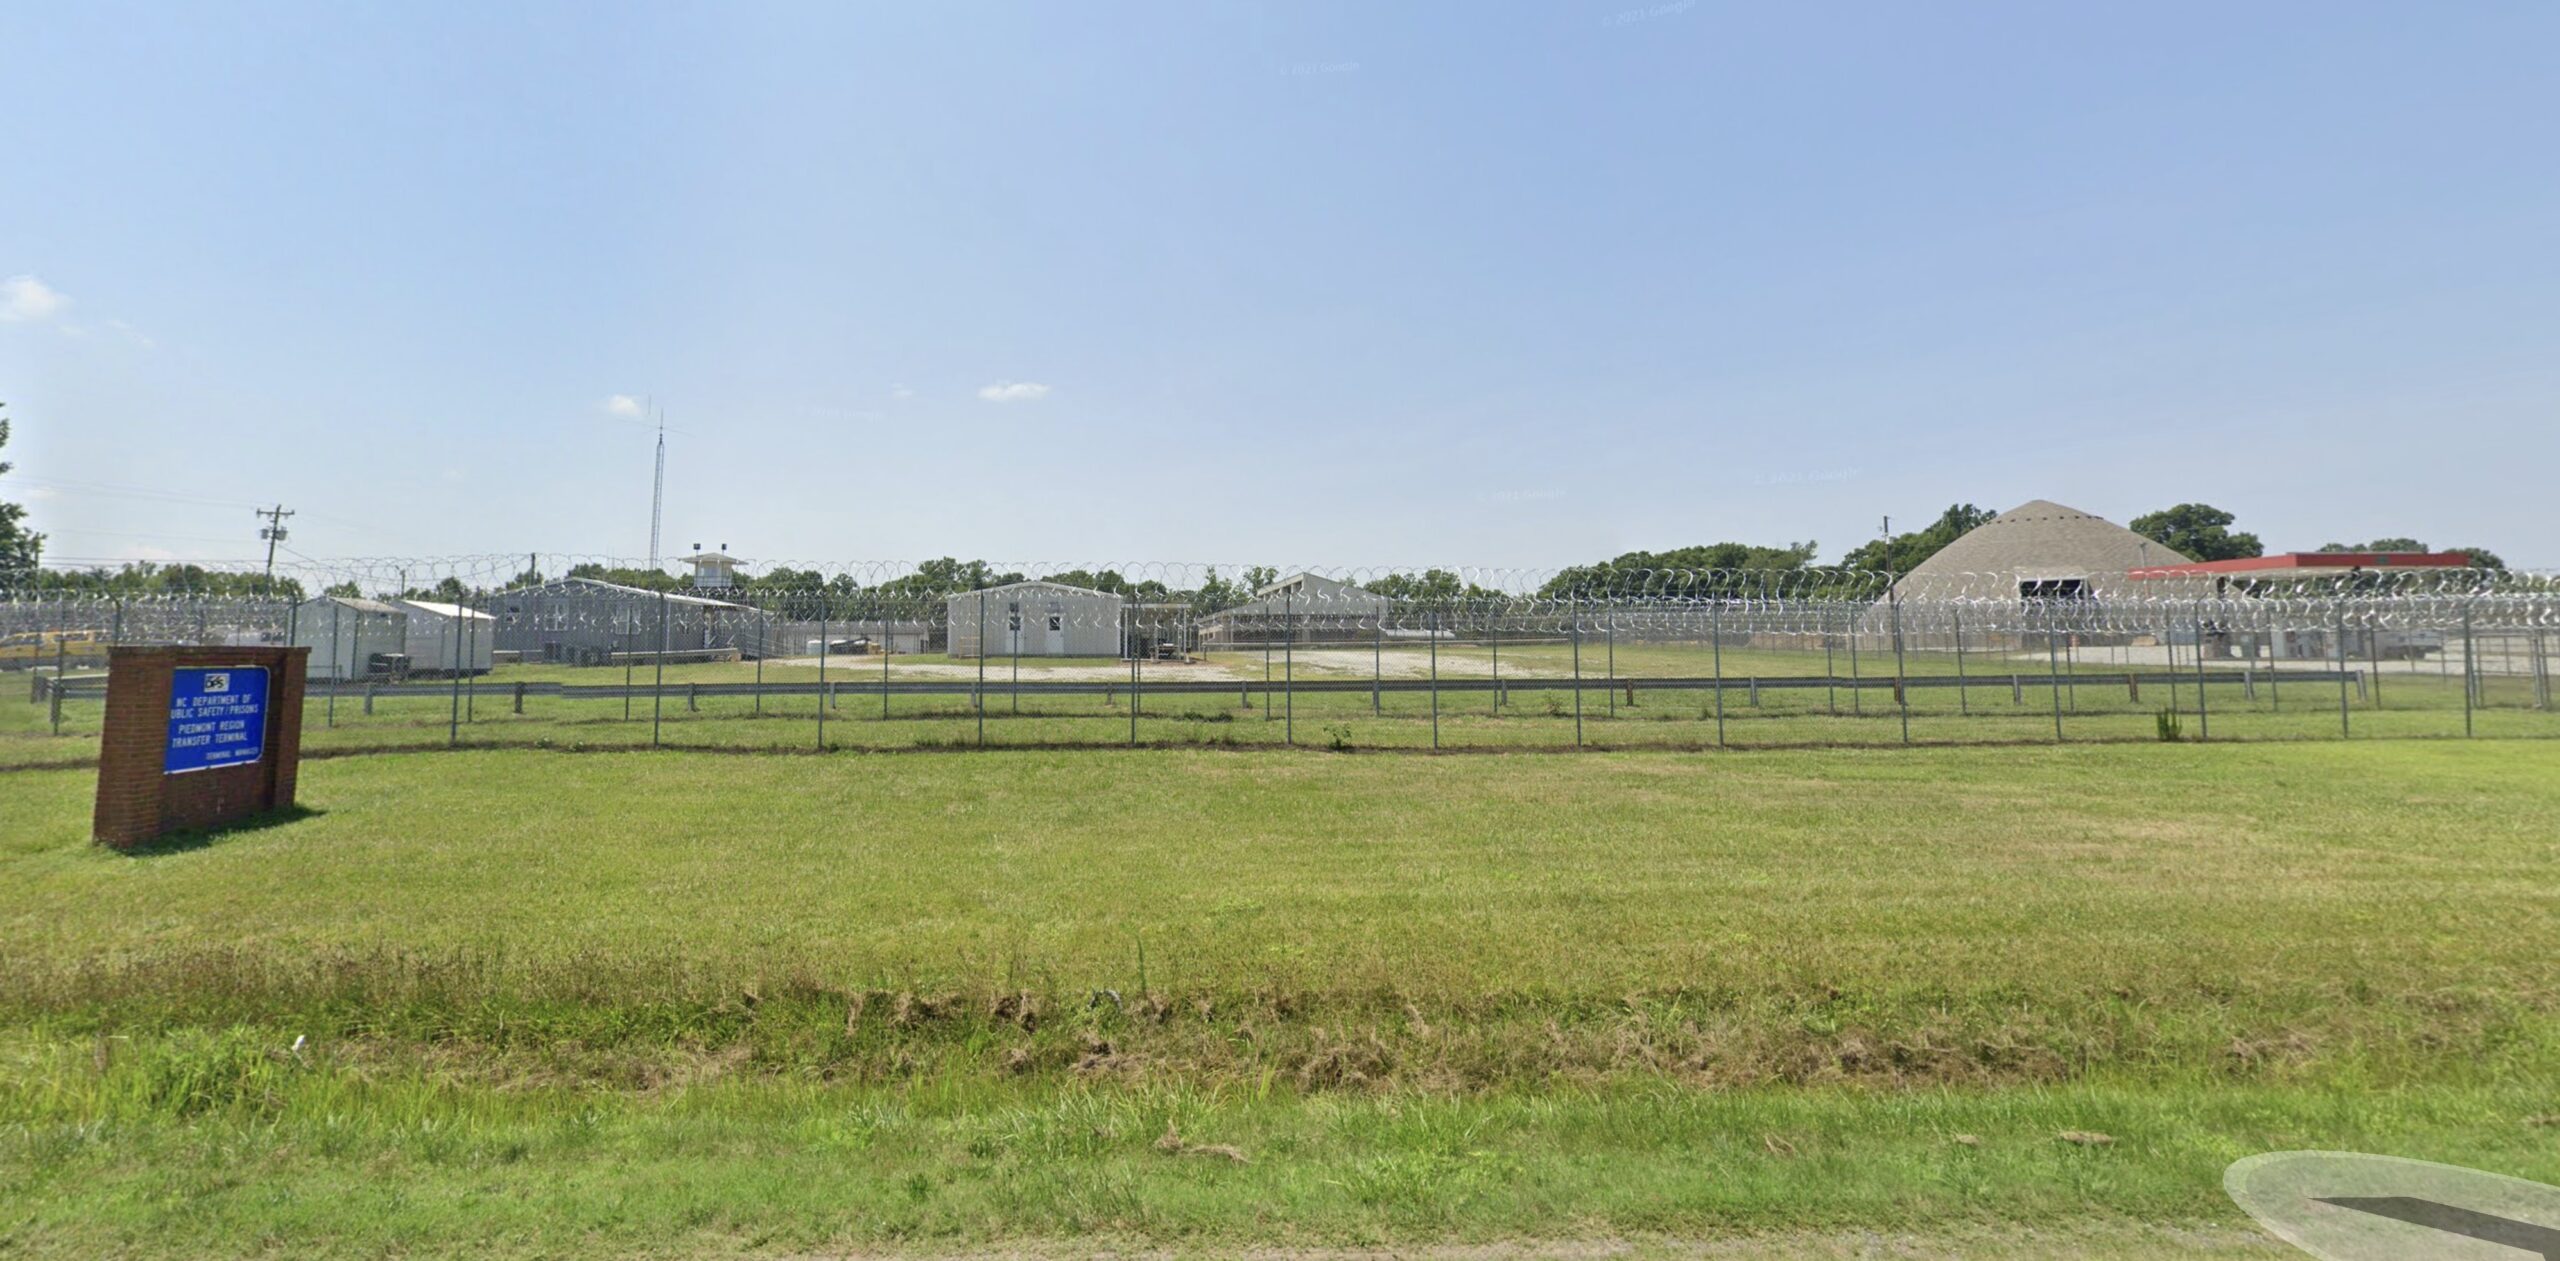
{"type": "Point", "coordinates": [217, 717]}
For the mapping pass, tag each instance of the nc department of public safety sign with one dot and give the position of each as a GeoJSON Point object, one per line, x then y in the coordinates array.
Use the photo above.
{"type": "Point", "coordinates": [217, 717]}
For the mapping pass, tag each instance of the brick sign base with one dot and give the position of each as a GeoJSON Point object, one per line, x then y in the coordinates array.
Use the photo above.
{"type": "Point", "coordinates": [138, 801]}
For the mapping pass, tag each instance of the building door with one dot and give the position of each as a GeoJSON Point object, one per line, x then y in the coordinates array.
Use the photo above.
{"type": "Point", "coordinates": [1057, 631]}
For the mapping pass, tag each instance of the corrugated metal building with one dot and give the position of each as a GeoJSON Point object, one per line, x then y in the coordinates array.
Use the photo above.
{"type": "Point", "coordinates": [1036, 619]}
{"type": "Point", "coordinates": [588, 620]}
{"type": "Point", "coordinates": [1309, 608]}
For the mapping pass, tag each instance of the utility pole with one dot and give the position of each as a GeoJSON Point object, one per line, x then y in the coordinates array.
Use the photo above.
{"type": "Point", "coordinates": [273, 533]}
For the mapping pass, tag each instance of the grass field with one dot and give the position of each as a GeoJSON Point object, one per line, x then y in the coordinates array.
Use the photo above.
{"type": "Point", "coordinates": [683, 1004]}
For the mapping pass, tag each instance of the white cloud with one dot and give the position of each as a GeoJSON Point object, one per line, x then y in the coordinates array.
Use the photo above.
{"type": "Point", "coordinates": [27, 298]}
{"type": "Point", "coordinates": [1013, 391]}
{"type": "Point", "coordinates": [623, 405]}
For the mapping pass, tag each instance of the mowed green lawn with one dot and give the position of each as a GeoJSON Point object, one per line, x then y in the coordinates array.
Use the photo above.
{"type": "Point", "coordinates": [687, 1004]}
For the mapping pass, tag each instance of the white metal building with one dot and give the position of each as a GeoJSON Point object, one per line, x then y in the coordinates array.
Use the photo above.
{"type": "Point", "coordinates": [443, 638]}
{"type": "Point", "coordinates": [1036, 619]}
{"type": "Point", "coordinates": [345, 634]}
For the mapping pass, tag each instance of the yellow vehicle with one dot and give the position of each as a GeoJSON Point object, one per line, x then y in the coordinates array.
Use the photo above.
{"type": "Point", "coordinates": [30, 649]}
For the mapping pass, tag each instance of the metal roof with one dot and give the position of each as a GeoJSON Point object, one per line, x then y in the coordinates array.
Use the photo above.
{"type": "Point", "coordinates": [445, 610]}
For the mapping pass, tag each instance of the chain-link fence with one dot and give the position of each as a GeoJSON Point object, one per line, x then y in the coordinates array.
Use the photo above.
{"type": "Point", "coordinates": [893, 656]}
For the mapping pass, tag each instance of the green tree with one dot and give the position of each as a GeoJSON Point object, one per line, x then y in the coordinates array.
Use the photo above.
{"type": "Point", "coordinates": [1431, 586]}
{"type": "Point", "coordinates": [143, 578]}
{"type": "Point", "coordinates": [347, 590]}
{"type": "Point", "coordinates": [645, 579]}
{"type": "Point", "coordinates": [1215, 592]}
{"type": "Point", "coordinates": [1712, 569]}
{"type": "Point", "coordinates": [21, 549]}
{"type": "Point", "coordinates": [945, 574]}
{"type": "Point", "coordinates": [2198, 531]}
{"type": "Point", "coordinates": [2378, 545]}
{"type": "Point", "coordinates": [1902, 553]}
{"type": "Point", "coordinates": [2482, 558]}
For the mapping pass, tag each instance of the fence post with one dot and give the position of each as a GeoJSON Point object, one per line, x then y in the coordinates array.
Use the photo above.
{"type": "Point", "coordinates": [2343, 730]}
{"type": "Point", "coordinates": [519, 696]}
{"type": "Point", "coordinates": [462, 663]}
{"type": "Point", "coordinates": [2204, 716]}
{"type": "Point", "coordinates": [979, 698]}
{"type": "Point", "coordinates": [2169, 641]}
{"type": "Point", "coordinates": [1497, 665]}
{"type": "Point", "coordinates": [630, 652]}
{"type": "Point", "coordinates": [2373, 661]}
{"type": "Point", "coordinates": [658, 689]}
{"type": "Point", "coordinates": [1377, 660]}
{"type": "Point", "coordinates": [1857, 694]}
{"type": "Point", "coordinates": [1901, 684]}
{"type": "Point", "coordinates": [823, 646]}
{"type": "Point", "coordinates": [1576, 614]}
{"type": "Point", "coordinates": [1289, 665]}
{"type": "Point", "coordinates": [1964, 704]}
{"type": "Point", "coordinates": [2468, 665]}
{"type": "Point", "coordinates": [1715, 638]}
{"type": "Point", "coordinates": [453, 722]}
{"type": "Point", "coordinates": [1612, 667]}
{"type": "Point", "coordinates": [336, 668]}
{"type": "Point", "coordinates": [2053, 665]}
{"type": "Point", "coordinates": [1435, 679]}
{"type": "Point", "coordinates": [1830, 672]}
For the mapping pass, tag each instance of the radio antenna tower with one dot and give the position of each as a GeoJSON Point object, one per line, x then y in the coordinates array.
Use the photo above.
{"type": "Point", "coordinates": [658, 490]}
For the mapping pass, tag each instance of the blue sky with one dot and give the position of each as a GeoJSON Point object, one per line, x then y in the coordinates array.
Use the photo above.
{"type": "Point", "coordinates": [1343, 284]}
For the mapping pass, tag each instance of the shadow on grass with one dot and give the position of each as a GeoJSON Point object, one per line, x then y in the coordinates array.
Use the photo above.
{"type": "Point", "coordinates": [204, 838]}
